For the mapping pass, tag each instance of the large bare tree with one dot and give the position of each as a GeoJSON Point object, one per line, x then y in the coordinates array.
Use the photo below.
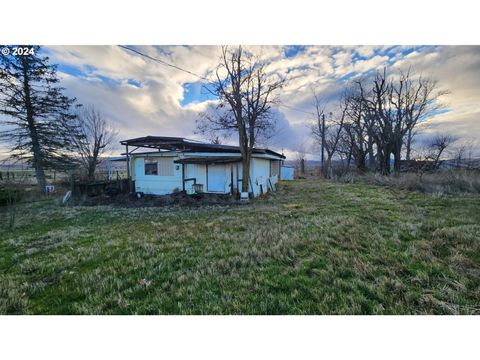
{"type": "Point", "coordinates": [393, 107]}
{"type": "Point", "coordinates": [246, 92]}
{"type": "Point", "coordinates": [95, 137]}
{"type": "Point", "coordinates": [317, 127]}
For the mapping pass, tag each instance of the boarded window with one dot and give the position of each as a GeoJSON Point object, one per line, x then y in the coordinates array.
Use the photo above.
{"type": "Point", "coordinates": [165, 166]}
{"type": "Point", "coordinates": [274, 167]}
{"type": "Point", "coordinates": [151, 167]}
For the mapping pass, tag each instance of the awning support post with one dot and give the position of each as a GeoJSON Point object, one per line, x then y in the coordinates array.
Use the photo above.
{"type": "Point", "coordinates": [129, 177]}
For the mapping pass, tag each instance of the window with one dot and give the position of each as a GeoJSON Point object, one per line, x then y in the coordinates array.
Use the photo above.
{"type": "Point", "coordinates": [160, 166]}
{"type": "Point", "coordinates": [151, 167]}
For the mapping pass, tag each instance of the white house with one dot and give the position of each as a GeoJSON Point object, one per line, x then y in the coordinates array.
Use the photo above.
{"type": "Point", "coordinates": [178, 164]}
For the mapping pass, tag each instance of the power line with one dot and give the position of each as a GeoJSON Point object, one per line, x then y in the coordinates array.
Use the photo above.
{"type": "Point", "coordinates": [164, 62]}
{"type": "Point", "coordinates": [196, 75]}
{"type": "Point", "coordinates": [295, 109]}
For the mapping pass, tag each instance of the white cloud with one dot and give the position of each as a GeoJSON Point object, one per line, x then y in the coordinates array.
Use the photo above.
{"type": "Point", "coordinates": [154, 107]}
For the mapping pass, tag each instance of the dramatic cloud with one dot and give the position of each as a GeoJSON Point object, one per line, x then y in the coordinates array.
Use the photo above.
{"type": "Point", "coordinates": [144, 97]}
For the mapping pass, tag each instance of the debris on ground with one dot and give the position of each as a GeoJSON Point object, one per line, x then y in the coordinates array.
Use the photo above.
{"type": "Point", "coordinates": [180, 199]}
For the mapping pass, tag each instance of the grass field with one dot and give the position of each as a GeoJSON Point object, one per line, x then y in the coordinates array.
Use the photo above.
{"type": "Point", "coordinates": [312, 248]}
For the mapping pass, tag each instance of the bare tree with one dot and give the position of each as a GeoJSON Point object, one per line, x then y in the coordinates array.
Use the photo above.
{"type": "Point", "coordinates": [246, 93]}
{"type": "Point", "coordinates": [464, 153]}
{"type": "Point", "coordinates": [409, 141]}
{"type": "Point", "coordinates": [437, 146]}
{"type": "Point", "coordinates": [394, 106]}
{"type": "Point", "coordinates": [333, 134]}
{"type": "Point", "coordinates": [95, 137]}
{"type": "Point", "coordinates": [328, 133]}
{"type": "Point", "coordinates": [317, 127]}
{"type": "Point", "coordinates": [300, 159]}
{"type": "Point", "coordinates": [356, 141]}
{"type": "Point", "coordinates": [413, 100]}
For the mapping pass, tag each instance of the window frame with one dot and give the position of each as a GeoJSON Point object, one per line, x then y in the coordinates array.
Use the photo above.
{"type": "Point", "coordinates": [150, 162]}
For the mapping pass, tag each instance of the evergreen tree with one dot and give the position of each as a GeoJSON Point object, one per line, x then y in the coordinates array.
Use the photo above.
{"type": "Point", "coordinates": [38, 121]}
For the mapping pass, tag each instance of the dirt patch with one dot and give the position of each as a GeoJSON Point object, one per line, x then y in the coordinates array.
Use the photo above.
{"type": "Point", "coordinates": [182, 199]}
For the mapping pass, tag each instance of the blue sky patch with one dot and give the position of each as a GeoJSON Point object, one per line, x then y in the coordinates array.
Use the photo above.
{"type": "Point", "coordinates": [293, 50]}
{"type": "Point", "coordinates": [196, 92]}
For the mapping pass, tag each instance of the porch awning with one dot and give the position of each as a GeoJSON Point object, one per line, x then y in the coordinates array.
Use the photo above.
{"type": "Point", "coordinates": [209, 160]}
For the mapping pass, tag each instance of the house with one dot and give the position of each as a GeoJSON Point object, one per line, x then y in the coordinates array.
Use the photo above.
{"type": "Point", "coordinates": [177, 164]}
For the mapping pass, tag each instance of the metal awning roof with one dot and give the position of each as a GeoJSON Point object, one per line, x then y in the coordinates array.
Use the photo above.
{"type": "Point", "coordinates": [209, 160]}
{"type": "Point", "coordinates": [186, 145]}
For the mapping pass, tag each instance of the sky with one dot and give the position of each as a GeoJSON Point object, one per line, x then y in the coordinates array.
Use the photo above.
{"type": "Point", "coordinates": [141, 97]}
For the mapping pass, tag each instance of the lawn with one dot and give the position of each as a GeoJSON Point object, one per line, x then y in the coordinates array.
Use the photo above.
{"type": "Point", "coordinates": [314, 247]}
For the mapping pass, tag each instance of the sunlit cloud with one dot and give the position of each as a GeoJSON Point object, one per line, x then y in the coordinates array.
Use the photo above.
{"type": "Point", "coordinates": [143, 97]}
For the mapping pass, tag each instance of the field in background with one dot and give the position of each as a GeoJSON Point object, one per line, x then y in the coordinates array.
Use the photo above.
{"type": "Point", "coordinates": [314, 247]}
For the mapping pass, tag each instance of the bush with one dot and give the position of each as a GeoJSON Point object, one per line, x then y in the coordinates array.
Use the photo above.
{"type": "Point", "coordinates": [9, 194]}
{"type": "Point", "coordinates": [445, 182]}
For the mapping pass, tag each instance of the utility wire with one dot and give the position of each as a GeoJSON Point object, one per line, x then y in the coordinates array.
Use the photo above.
{"type": "Point", "coordinates": [164, 62]}
{"type": "Point", "coordinates": [295, 109]}
{"type": "Point", "coordinates": [196, 75]}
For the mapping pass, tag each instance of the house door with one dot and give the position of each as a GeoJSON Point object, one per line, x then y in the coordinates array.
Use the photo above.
{"type": "Point", "coordinates": [139, 168]}
{"type": "Point", "coordinates": [216, 178]}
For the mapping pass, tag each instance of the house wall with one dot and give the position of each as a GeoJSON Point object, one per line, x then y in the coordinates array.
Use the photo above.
{"type": "Point", "coordinates": [155, 184]}
{"type": "Point", "coordinates": [260, 175]}
{"type": "Point", "coordinates": [219, 177]}
{"type": "Point", "coordinates": [287, 173]}
{"type": "Point", "coordinates": [197, 171]}
{"type": "Point", "coordinates": [215, 178]}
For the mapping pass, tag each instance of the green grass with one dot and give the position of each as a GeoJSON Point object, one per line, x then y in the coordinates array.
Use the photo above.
{"type": "Point", "coordinates": [312, 248]}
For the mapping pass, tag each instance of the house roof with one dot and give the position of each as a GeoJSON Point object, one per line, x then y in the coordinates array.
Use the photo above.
{"type": "Point", "coordinates": [186, 145]}
{"type": "Point", "coordinates": [209, 160]}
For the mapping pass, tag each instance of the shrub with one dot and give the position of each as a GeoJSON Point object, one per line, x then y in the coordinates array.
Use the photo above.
{"type": "Point", "coordinates": [444, 182]}
{"type": "Point", "coordinates": [9, 194]}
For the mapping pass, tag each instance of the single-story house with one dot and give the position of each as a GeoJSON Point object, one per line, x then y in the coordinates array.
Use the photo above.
{"type": "Point", "coordinates": [178, 164]}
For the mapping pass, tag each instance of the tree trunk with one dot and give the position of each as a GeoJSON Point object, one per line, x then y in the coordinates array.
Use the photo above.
{"type": "Point", "coordinates": [371, 156]}
{"type": "Point", "coordinates": [36, 149]}
{"type": "Point", "coordinates": [328, 168]}
{"type": "Point", "coordinates": [409, 144]}
{"type": "Point", "coordinates": [245, 173]}
{"type": "Point", "coordinates": [384, 160]}
{"type": "Point", "coordinates": [91, 169]}
{"type": "Point", "coordinates": [349, 158]}
{"type": "Point", "coordinates": [397, 159]}
{"type": "Point", "coordinates": [91, 173]}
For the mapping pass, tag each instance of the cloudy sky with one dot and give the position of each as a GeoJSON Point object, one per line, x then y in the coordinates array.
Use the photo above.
{"type": "Point", "coordinates": [142, 97]}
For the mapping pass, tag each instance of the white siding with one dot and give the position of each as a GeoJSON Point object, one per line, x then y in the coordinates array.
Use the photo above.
{"type": "Point", "coordinates": [165, 166]}
{"type": "Point", "coordinates": [274, 168]}
{"type": "Point", "coordinates": [259, 175]}
{"type": "Point", "coordinates": [157, 184]}
{"type": "Point", "coordinates": [287, 173]}
{"type": "Point", "coordinates": [197, 171]}
{"type": "Point", "coordinates": [218, 181]}
{"type": "Point", "coordinates": [219, 177]}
